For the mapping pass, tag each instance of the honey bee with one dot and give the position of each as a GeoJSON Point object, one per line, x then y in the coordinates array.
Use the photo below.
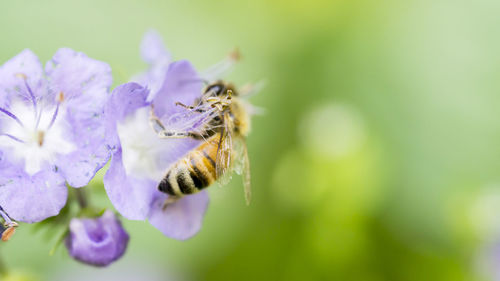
{"type": "Point", "coordinates": [8, 228]}
{"type": "Point", "coordinates": [222, 122]}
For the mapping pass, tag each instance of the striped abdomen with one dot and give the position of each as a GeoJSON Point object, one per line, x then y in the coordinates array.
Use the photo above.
{"type": "Point", "coordinates": [193, 172]}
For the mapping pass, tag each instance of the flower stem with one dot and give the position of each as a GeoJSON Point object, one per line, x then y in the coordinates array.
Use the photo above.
{"type": "Point", "coordinates": [81, 198]}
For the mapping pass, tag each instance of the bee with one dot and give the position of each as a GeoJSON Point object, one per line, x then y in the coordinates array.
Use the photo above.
{"type": "Point", "coordinates": [9, 226]}
{"type": "Point", "coordinates": [219, 118]}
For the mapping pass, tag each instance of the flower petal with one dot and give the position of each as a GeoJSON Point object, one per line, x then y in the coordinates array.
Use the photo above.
{"type": "Point", "coordinates": [132, 197]}
{"type": "Point", "coordinates": [180, 220]}
{"type": "Point", "coordinates": [83, 83]}
{"type": "Point", "coordinates": [76, 75]}
{"type": "Point", "coordinates": [80, 166]}
{"type": "Point", "coordinates": [182, 84]}
{"type": "Point", "coordinates": [124, 100]}
{"type": "Point", "coordinates": [153, 49]}
{"type": "Point", "coordinates": [32, 199]}
{"type": "Point", "coordinates": [13, 73]}
{"type": "Point", "coordinates": [154, 53]}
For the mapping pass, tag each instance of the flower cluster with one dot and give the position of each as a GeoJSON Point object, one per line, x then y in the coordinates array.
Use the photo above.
{"type": "Point", "coordinates": [51, 130]}
{"type": "Point", "coordinates": [60, 124]}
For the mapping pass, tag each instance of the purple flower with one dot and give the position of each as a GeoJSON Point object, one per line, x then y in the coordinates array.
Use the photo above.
{"type": "Point", "coordinates": [51, 130]}
{"type": "Point", "coordinates": [140, 159]}
{"type": "Point", "coordinates": [98, 241]}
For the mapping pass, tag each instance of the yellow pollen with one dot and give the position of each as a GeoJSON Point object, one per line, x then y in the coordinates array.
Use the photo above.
{"type": "Point", "coordinates": [21, 75]}
{"type": "Point", "coordinates": [60, 97]}
{"type": "Point", "coordinates": [40, 137]}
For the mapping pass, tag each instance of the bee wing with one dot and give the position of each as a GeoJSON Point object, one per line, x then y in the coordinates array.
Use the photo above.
{"type": "Point", "coordinates": [190, 119]}
{"type": "Point", "coordinates": [242, 166]}
{"type": "Point", "coordinates": [223, 163]}
{"type": "Point", "coordinates": [249, 90]}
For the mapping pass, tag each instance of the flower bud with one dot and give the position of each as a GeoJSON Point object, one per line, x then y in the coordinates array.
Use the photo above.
{"type": "Point", "coordinates": [97, 241]}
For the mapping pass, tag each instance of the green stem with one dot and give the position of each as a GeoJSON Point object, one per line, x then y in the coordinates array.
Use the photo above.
{"type": "Point", "coordinates": [81, 198]}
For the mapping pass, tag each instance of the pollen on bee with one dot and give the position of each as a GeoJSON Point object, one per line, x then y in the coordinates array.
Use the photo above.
{"type": "Point", "coordinates": [7, 234]}
{"type": "Point", "coordinates": [21, 75]}
{"type": "Point", "coordinates": [60, 97]}
{"type": "Point", "coordinates": [7, 230]}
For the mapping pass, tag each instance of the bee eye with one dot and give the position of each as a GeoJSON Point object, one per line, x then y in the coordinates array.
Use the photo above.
{"type": "Point", "coordinates": [215, 89]}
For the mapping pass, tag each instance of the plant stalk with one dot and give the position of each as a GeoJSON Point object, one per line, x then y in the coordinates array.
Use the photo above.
{"type": "Point", "coordinates": [81, 197]}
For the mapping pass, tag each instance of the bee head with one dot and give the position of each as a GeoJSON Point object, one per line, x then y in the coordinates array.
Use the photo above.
{"type": "Point", "coordinates": [220, 89]}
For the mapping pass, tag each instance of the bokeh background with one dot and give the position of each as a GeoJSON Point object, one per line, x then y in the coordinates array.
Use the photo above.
{"type": "Point", "coordinates": [377, 158]}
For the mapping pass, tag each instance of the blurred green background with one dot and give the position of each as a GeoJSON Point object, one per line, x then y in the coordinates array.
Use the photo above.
{"type": "Point", "coordinates": [377, 157]}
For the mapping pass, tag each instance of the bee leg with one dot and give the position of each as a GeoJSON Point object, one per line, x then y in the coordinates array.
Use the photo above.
{"type": "Point", "coordinates": [170, 200]}
{"type": "Point", "coordinates": [183, 105]}
{"type": "Point", "coordinates": [163, 133]}
{"type": "Point", "coordinates": [189, 107]}
{"type": "Point", "coordinates": [169, 134]}
{"type": "Point", "coordinates": [155, 122]}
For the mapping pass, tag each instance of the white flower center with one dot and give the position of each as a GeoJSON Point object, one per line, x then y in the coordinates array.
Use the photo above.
{"type": "Point", "coordinates": [36, 141]}
{"type": "Point", "coordinates": [141, 146]}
